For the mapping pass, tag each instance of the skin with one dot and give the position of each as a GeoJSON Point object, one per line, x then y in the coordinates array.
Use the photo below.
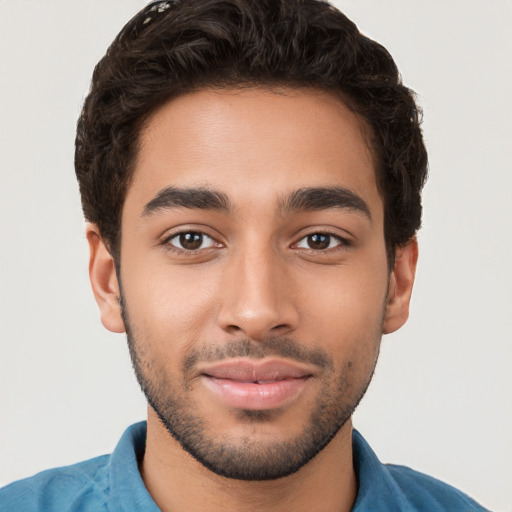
{"type": "Point", "coordinates": [255, 277]}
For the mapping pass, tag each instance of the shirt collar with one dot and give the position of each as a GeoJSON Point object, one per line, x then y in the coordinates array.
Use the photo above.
{"type": "Point", "coordinates": [127, 490]}
{"type": "Point", "coordinates": [377, 492]}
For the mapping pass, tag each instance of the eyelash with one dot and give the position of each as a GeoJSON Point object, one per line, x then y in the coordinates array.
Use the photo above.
{"type": "Point", "coordinates": [188, 252]}
{"type": "Point", "coordinates": [342, 243]}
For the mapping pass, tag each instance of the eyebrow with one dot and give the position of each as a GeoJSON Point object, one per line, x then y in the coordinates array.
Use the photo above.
{"type": "Point", "coordinates": [303, 199]}
{"type": "Point", "coordinates": [194, 198]}
{"type": "Point", "coordinates": [324, 198]}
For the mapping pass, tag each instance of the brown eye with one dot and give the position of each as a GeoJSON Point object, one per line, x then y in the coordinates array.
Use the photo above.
{"type": "Point", "coordinates": [191, 241]}
{"type": "Point", "coordinates": [321, 242]}
{"type": "Point", "coordinates": [318, 241]}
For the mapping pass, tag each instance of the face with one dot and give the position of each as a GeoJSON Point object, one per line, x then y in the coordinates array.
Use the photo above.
{"type": "Point", "coordinates": [253, 275]}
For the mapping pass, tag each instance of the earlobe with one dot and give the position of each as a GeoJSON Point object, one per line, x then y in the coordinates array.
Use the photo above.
{"type": "Point", "coordinates": [401, 282]}
{"type": "Point", "coordinates": [105, 286]}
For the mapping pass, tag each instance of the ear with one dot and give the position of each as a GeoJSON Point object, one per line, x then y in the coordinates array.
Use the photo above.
{"type": "Point", "coordinates": [401, 281]}
{"type": "Point", "coordinates": [102, 273]}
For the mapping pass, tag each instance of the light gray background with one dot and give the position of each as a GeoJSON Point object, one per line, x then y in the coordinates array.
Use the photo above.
{"type": "Point", "coordinates": [440, 401]}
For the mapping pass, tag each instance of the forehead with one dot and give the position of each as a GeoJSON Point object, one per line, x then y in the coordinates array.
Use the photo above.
{"type": "Point", "coordinates": [254, 145]}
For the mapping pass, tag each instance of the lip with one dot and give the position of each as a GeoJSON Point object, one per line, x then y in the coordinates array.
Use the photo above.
{"type": "Point", "coordinates": [256, 385]}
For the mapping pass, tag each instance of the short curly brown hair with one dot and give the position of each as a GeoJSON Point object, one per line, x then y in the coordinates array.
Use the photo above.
{"type": "Point", "coordinates": [174, 47]}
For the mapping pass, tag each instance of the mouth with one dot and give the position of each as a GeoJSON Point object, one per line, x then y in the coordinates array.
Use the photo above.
{"type": "Point", "coordinates": [256, 385]}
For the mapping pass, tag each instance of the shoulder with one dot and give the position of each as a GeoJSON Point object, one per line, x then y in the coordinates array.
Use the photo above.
{"type": "Point", "coordinates": [107, 483]}
{"type": "Point", "coordinates": [81, 487]}
{"type": "Point", "coordinates": [424, 492]}
{"type": "Point", "coordinates": [389, 487]}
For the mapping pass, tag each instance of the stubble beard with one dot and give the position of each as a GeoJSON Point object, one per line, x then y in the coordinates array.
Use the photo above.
{"type": "Point", "coordinates": [246, 458]}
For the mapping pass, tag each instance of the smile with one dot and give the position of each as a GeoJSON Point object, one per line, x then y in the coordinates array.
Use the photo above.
{"type": "Point", "coordinates": [250, 385]}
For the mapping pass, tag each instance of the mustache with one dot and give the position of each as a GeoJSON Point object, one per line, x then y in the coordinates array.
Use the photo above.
{"type": "Point", "coordinates": [272, 346]}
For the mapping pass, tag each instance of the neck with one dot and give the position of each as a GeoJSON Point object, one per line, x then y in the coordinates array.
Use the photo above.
{"type": "Point", "coordinates": [177, 482]}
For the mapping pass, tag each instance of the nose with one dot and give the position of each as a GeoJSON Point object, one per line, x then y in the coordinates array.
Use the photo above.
{"type": "Point", "coordinates": [257, 297]}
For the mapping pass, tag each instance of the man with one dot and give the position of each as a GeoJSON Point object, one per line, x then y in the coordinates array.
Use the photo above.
{"type": "Point", "coordinates": [251, 173]}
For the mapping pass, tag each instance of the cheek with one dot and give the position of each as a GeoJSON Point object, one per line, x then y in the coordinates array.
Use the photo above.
{"type": "Point", "coordinates": [346, 312]}
{"type": "Point", "coordinates": [168, 306]}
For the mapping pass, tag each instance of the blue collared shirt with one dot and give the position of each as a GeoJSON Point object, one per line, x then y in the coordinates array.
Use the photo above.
{"type": "Point", "coordinates": [112, 483]}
